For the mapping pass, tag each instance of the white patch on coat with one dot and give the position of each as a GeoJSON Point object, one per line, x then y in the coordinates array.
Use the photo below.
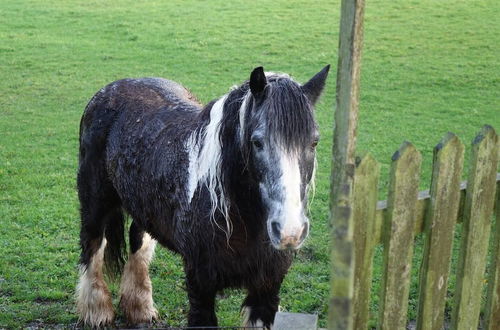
{"type": "Point", "coordinates": [136, 291]}
{"type": "Point", "coordinates": [93, 299]}
{"type": "Point", "coordinates": [193, 149]}
{"type": "Point", "coordinates": [205, 161]}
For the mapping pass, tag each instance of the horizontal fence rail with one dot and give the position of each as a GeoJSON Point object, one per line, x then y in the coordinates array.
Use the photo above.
{"type": "Point", "coordinates": [423, 203]}
{"type": "Point", "coordinates": [434, 213]}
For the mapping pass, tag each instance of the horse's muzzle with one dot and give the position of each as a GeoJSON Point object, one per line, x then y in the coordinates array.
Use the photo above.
{"type": "Point", "coordinates": [288, 238]}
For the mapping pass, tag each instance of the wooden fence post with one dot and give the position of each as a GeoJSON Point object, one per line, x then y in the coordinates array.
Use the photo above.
{"type": "Point", "coordinates": [344, 142]}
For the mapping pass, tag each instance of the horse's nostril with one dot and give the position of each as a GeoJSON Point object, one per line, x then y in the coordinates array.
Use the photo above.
{"type": "Point", "coordinates": [276, 228]}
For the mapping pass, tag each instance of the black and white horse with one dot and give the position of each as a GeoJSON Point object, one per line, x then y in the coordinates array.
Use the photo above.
{"type": "Point", "coordinates": [224, 185]}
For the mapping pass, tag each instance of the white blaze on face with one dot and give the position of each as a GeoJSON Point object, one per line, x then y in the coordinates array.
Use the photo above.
{"type": "Point", "coordinates": [293, 222]}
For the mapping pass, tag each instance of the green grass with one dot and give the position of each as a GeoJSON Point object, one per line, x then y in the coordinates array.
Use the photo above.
{"type": "Point", "coordinates": [428, 67]}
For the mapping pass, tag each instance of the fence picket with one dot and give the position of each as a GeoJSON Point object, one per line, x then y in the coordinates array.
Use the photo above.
{"type": "Point", "coordinates": [492, 314]}
{"type": "Point", "coordinates": [364, 205]}
{"type": "Point", "coordinates": [439, 227]}
{"type": "Point", "coordinates": [478, 210]}
{"type": "Point", "coordinates": [397, 235]}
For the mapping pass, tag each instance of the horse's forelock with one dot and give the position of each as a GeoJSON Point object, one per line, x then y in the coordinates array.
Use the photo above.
{"type": "Point", "coordinates": [285, 111]}
{"type": "Point", "coordinates": [290, 120]}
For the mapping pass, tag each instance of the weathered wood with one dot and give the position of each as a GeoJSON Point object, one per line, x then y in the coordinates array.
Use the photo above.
{"type": "Point", "coordinates": [344, 141]}
{"type": "Point", "coordinates": [492, 310]}
{"type": "Point", "coordinates": [420, 211]}
{"type": "Point", "coordinates": [364, 204]}
{"type": "Point", "coordinates": [422, 207]}
{"type": "Point", "coordinates": [398, 237]}
{"type": "Point", "coordinates": [439, 227]}
{"type": "Point", "coordinates": [478, 210]}
{"type": "Point", "coordinates": [295, 321]}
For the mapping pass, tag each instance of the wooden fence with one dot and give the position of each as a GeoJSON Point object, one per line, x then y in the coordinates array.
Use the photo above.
{"type": "Point", "coordinates": [360, 223]}
{"type": "Point", "coordinates": [406, 213]}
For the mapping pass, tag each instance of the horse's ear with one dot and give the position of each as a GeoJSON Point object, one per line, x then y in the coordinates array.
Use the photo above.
{"type": "Point", "coordinates": [314, 87]}
{"type": "Point", "coordinates": [258, 81]}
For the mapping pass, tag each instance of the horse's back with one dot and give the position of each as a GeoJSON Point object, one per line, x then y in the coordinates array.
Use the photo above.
{"type": "Point", "coordinates": [170, 89]}
{"type": "Point", "coordinates": [143, 94]}
{"type": "Point", "coordinates": [133, 99]}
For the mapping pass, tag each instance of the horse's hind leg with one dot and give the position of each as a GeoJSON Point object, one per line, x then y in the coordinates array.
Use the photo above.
{"type": "Point", "coordinates": [94, 302]}
{"type": "Point", "coordinates": [136, 293]}
{"type": "Point", "coordinates": [100, 214]}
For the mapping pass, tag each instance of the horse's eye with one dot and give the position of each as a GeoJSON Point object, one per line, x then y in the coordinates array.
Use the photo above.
{"type": "Point", "coordinates": [257, 144]}
{"type": "Point", "coordinates": [314, 144]}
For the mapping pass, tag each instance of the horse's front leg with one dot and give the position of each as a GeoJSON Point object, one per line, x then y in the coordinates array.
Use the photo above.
{"type": "Point", "coordinates": [201, 303]}
{"type": "Point", "coordinates": [260, 306]}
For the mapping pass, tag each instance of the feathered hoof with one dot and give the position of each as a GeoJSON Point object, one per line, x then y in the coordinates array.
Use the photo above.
{"type": "Point", "coordinates": [138, 311]}
{"type": "Point", "coordinates": [96, 314]}
{"type": "Point", "coordinates": [247, 323]}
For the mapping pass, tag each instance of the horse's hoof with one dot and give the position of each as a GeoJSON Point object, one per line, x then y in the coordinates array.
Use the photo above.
{"type": "Point", "coordinates": [96, 317]}
{"type": "Point", "coordinates": [94, 306]}
{"type": "Point", "coordinates": [138, 313]}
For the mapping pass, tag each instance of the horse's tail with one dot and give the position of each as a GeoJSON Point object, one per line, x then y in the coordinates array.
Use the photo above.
{"type": "Point", "coordinates": [102, 218]}
{"type": "Point", "coordinates": [114, 254]}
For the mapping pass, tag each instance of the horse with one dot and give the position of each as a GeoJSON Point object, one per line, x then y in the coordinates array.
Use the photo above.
{"type": "Point", "coordinates": [223, 185]}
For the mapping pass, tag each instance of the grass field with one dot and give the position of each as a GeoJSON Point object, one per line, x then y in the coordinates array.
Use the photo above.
{"type": "Point", "coordinates": [428, 67]}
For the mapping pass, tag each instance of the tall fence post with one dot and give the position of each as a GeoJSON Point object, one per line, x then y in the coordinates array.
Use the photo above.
{"type": "Point", "coordinates": [340, 314]}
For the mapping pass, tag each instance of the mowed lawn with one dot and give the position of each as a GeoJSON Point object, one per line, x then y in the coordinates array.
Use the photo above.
{"type": "Point", "coordinates": [429, 67]}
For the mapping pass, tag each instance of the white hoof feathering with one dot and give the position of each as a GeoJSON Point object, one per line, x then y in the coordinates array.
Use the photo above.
{"type": "Point", "coordinates": [136, 293]}
{"type": "Point", "coordinates": [257, 324]}
{"type": "Point", "coordinates": [94, 304]}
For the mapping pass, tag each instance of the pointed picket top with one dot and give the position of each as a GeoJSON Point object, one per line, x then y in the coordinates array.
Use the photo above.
{"type": "Point", "coordinates": [449, 146]}
{"type": "Point", "coordinates": [487, 132]}
{"type": "Point", "coordinates": [406, 152]}
{"type": "Point", "coordinates": [366, 163]}
{"type": "Point", "coordinates": [478, 210]}
{"type": "Point", "coordinates": [439, 227]}
{"type": "Point", "coordinates": [450, 140]}
{"type": "Point", "coordinates": [484, 146]}
{"type": "Point", "coordinates": [405, 170]}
